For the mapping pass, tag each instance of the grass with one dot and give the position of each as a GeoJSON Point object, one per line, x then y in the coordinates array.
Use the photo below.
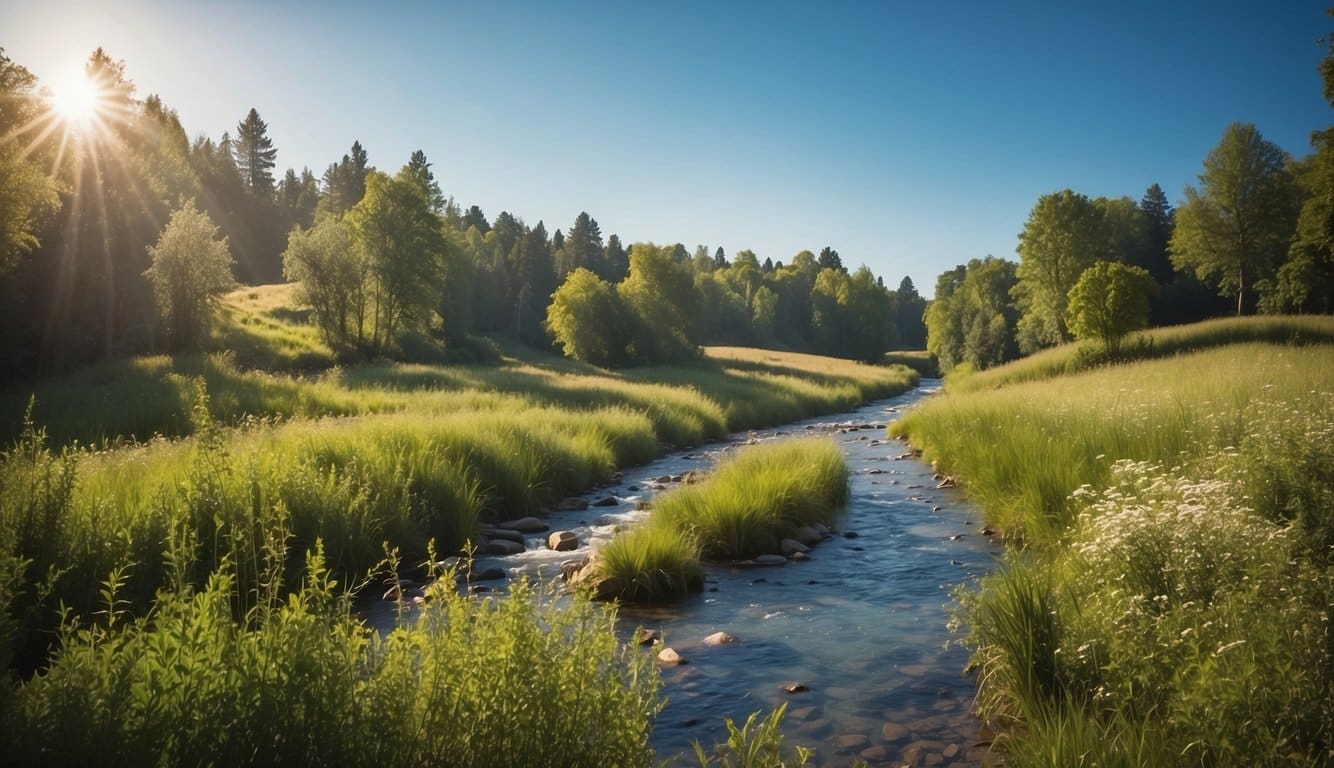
{"type": "Point", "coordinates": [1170, 602]}
{"type": "Point", "coordinates": [919, 360]}
{"type": "Point", "coordinates": [157, 510]}
{"type": "Point", "coordinates": [745, 507]}
{"type": "Point", "coordinates": [524, 680]}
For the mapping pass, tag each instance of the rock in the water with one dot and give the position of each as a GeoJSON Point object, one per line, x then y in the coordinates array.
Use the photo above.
{"type": "Point", "coordinates": [800, 557]}
{"type": "Point", "coordinates": [489, 574]}
{"type": "Point", "coordinates": [563, 541]}
{"type": "Point", "coordinates": [663, 479]}
{"type": "Point", "coordinates": [647, 637]}
{"type": "Point", "coordinates": [850, 534]}
{"type": "Point", "coordinates": [607, 501]}
{"type": "Point", "coordinates": [719, 638]}
{"type": "Point", "coordinates": [807, 535]}
{"type": "Point", "coordinates": [570, 567]}
{"type": "Point", "coordinates": [524, 525]}
{"type": "Point", "coordinates": [876, 754]}
{"type": "Point", "coordinates": [893, 732]}
{"type": "Point", "coordinates": [821, 529]}
{"type": "Point", "coordinates": [573, 504]}
{"type": "Point", "coordinates": [791, 547]}
{"type": "Point", "coordinates": [875, 471]}
{"type": "Point", "coordinates": [770, 560]}
{"type": "Point", "coordinates": [851, 742]}
{"type": "Point", "coordinates": [503, 533]}
{"type": "Point", "coordinates": [502, 547]}
{"type": "Point", "coordinates": [794, 687]}
{"type": "Point", "coordinates": [669, 657]}
{"type": "Point", "coordinates": [951, 751]}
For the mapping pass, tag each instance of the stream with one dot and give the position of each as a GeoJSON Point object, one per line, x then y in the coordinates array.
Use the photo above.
{"type": "Point", "coordinates": [858, 630]}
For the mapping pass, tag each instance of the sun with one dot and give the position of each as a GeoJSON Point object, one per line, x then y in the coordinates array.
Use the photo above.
{"type": "Point", "coordinates": [76, 99]}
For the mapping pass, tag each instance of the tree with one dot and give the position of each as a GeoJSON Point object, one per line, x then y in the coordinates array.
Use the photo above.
{"type": "Point", "coordinates": [345, 181]}
{"type": "Point", "coordinates": [616, 259]}
{"type": "Point", "coordinates": [1235, 228]}
{"type": "Point", "coordinates": [909, 311]}
{"type": "Point", "coordinates": [1159, 222]}
{"type": "Point", "coordinates": [586, 319]}
{"type": "Point", "coordinates": [403, 243]}
{"type": "Point", "coordinates": [255, 155]}
{"type": "Point", "coordinates": [419, 170]}
{"type": "Point", "coordinates": [27, 194]}
{"type": "Point", "coordinates": [1109, 301]}
{"type": "Point", "coordinates": [658, 295]}
{"type": "Point", "coordinates": [583, 248]}
{"type": "Point", "coordinates": [829, 312]}
{"type": "Point", "coordinates": [191, 271]}
{"type": "Point", "coordinates": [972, 319]}
{"type": "Point", "coordinates": [829, 259]}
{"type": "Point", "coordinates": [297, 199]}
{"type": "Point", "coordinates": [475, 218]}
{"type": "Point", "coordinates": [332, 276]}
{"type": "Point", "coordinates": [1063, 235]}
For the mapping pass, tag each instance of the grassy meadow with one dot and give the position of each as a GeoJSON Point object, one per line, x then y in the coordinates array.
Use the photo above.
{"type": "Point", "coordinates": [745, 507]}
{"type": "Point", "coordinates": [157, 516]}
{"type": "Point", "coordinates": [1168, 600]}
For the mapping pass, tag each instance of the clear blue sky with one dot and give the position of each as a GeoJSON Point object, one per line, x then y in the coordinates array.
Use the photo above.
{"type": "Point", "coordinates": [908, 138]}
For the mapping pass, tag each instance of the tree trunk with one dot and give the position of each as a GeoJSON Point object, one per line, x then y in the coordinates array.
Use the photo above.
{"type": "Point", "coordinates": [1241, 287]}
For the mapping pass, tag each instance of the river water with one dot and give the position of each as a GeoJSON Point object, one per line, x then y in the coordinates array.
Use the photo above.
{"type": "Point", "coordinates": [859, 629]}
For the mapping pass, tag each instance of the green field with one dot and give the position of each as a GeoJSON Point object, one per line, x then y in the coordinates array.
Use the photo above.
{"type": "Point", "coordinates": [1167, 600]}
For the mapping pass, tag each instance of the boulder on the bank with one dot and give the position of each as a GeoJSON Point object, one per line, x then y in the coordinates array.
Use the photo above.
{"type": "Point", "coordinates": [790, 547]}
{"type": "Point", "coordinates": [808, 535]}
{"type": "Point", "coordinates": [524, 525]}
{"type": "Point", "coordinates": [822, 530]}
{"type": "Point", "coordinates": [719, 638]}
{"type": "Point", "coordinates": [563, 541]}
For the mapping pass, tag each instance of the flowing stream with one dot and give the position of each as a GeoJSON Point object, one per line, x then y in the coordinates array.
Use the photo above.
{"type": "Point", "coordinates": [858, 630]}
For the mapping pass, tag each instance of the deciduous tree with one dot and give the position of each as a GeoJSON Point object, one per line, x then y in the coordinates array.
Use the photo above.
{"type": "Point", "coordinates": [1108, 301]}
{"type": "Point", "coordinates": [1063, 235]}
{"type": "Point", "coordinates": [191, 271]}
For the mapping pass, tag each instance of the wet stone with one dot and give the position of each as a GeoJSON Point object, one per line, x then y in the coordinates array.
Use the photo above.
{"type": "Point", "coordinates": [892, 732]}
{"type": "Point", "coordinates": [876, 754]}
{"type": "Point", "coordinates": [669, 657]}
{"type": "Point", "coordinates": [719, 638]}
{"type": "Point", "coordinates": [607, 501]}
{"type": "Point", "coordinates": [851, 742]}
{"type": "Point", "coordinates": [795, 687]}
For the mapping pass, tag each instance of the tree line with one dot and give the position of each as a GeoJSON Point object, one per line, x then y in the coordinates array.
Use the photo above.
{"type": "Point", "coordinates": [100, 229]}
{"type": "Point", "coordinates": [1255, 234]}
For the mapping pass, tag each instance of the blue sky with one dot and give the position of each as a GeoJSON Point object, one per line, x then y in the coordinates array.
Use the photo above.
{"type": "Point", "coordinates": [909, 136]}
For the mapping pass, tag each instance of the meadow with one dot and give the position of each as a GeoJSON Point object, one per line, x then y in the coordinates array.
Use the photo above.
{"type": "Point", "coordinates": [1167, 598]}
{"type": "Point", "coordinates": [160, 516]}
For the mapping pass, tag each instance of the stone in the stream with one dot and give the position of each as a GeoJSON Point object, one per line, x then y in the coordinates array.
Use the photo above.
{"type": "Point", "coordinates": [607, 501]}
{"type": "Point", "coordinates": [632, 488]}
{"type": "Point", "coordinates": [875, 755]}
{"type": "Point", "coordinates": [573, 504]}
{"type": "Point", "coordinates": [875, 471]}
{"type": "Point", "coordinates": [524, 525]}
{"type": "Point", "coordinates": [800, 556]}
{"type": "Point", "coordinates": [790, 547]}
{"type": "Point", "coordinates": [768, 561]}
{"type": "Point", "coordinates": [669, 657]}
{"type": "Point", "coordinates": [850, 534]}
{"type": "Point", "coordinates": [492, 573]}
{"type": "Point", "coordinates": [794, 687]}
{"type": "Point", "coordinates": [647, 637]}
{"type": "Point", "coordinates": [821, 529]}
{"type": "Point", "coordinates": [807, 535]}
{"type": "Point", "coordinates": [502, 547]}
{"type": "Point", "coordinates": [957, 536]}
{"type": "Point", "coordinates": [719, 638]}
{"type": "Point", "coordinates": [663, 479]}
{"type": "Point", "coordinates": [851, 742]}
{"type": "Point", "coordinates": [563, 541]}
{"type": "Point", "coordinates": [801, 714]}
{"type": "Point", "coordinates": [570, 567]}
{"type": "Point", "coordinates": [951, 752]}
{"type": "Point", "coordinates": [892, 732]}
{"type": "Point", "coordinates": [503, 533]}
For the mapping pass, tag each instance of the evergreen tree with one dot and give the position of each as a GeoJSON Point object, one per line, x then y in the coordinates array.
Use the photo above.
{"type": "Point", "coordinates": [829, 259]}
{"type": "Point", "coordinates": [255, 154]}
{"type": "Point", "coordinates": [583, 248]}
{"type": "Point", "coordinates": [720, 258]}
{"type": "Point", "coordinates": [420, 170]}
{"type": "Point", "coordinates": [616, 259]}
{"type": "Point", "coordinates": [1159, 221]}
{"type": "Point", "coordinates": [475, 218]}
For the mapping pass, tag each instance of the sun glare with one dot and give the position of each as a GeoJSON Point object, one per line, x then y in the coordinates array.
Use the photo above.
{"type": "Point", "coordinates": [76, 99]}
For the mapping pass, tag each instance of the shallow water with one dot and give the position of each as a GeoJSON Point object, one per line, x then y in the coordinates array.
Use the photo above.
{"type": "Point", "coordinates": [861, 625]}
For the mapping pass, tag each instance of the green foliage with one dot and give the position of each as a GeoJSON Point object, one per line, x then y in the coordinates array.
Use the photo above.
{"type": "Point", "coordinates": [191, 271]}
{"type": "Point", "coordinates": [658, 295]}
{"type": "Point", "coordinates": [331, 270]}
{"type": "Point", "coordinates": [1107, 302]}
{"type": "Point", "coordinates": [27, 194]}
{"type": "Point", "coordinates": [972, 320]}
{"type": "Point", "coordinates": [756, 743]}
{"type": "Point", "coordinates": [585, 318]}
{"type": "Point", "coordinates": [650, 563]}
{"type": "Point", "coordinates": [1234, 229]}
{"type": "Point", "coordinates": [1171, 602]}
{"type": "Point", "coordinates": [525, 680]}
{"type": "Point", "coordinates": [1064, 234]}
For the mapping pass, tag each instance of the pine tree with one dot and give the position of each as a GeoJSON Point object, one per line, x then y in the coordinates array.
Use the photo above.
{"type": "Point", "coordinates": [255, 154]}
{"type": "Point", "coordinates": [420, 171]}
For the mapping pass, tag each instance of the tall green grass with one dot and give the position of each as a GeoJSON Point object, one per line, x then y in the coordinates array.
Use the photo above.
{"type": "Point", "coordinates": [1171, 605]}
{"type": "Point", "coordinates": [520, 681]}
{"type": "Point", "coordinates": [745, 507]}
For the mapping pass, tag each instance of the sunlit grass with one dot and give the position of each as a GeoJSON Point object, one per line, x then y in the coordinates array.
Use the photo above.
{"type": "Point", "coordinates": [1171, 602]}
{"type": "Point", "coordinates": [263, 328]}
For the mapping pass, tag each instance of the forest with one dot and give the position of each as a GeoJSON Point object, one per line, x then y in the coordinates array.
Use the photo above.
{"type": "Point", "coordinates": [392, 266]}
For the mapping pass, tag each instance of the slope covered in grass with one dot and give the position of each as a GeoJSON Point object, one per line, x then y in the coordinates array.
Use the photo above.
{"type": "Point", "coordinates": [1170, 602]}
